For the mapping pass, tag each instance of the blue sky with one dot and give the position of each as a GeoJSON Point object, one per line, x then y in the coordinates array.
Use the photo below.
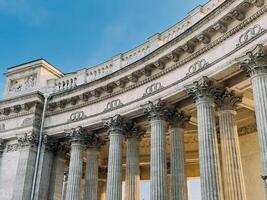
{"type": "Point", "coordinates": [76, 34]}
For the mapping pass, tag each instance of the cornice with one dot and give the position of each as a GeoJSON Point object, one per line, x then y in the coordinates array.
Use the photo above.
{"type": "Point", "coordinates": [219, 40]}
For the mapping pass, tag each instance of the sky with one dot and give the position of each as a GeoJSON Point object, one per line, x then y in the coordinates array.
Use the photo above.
{"type": "Point", "coordinates": [75, 34]}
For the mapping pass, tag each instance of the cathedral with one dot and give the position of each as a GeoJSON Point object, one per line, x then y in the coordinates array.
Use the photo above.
{"type": "Point", "coordinates": [190, 102]}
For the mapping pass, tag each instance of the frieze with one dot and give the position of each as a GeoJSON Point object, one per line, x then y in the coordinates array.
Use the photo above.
{"type": "Point", "coordinates": [113, 104]}
{"type": "Point", "coordinates": [153, 88]}
{"type": "Point", "coordinates": [250, 34]}
{"type": "Point", "coordinates": [197, 66]}
{"type": "Point", "coordinates": [77, 116]}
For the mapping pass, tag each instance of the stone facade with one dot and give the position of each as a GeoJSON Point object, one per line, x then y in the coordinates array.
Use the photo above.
{"type": "Point", "coordinates": [134, 124]}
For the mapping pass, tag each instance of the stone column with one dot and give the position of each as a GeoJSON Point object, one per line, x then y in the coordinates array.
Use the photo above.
{"type": "Point", "coordinates": [75, 169]}
{"type": "Point", "coordinates": [157, 115]}
{"type": "Point", "coordinates": [93, 144]}
{"type": "Point", "coordinates": [57, 175]}
{"type": "Point", "coordinates": [114, 179]}
{"type": "Point", "coordinates": [132, 183]}
{"type": "Point", "coordinates": [23, 184]}
{"type": "Point", "coordinates": [178, 176]}
{"type": "Point", "coordinates": [255, 64]}
{"type": "Point", "coordinates": [234, 186]}
{"type": "Point", "coordinates": [203, 93]}
{"type": "Point", "coordinates": [45, 168]}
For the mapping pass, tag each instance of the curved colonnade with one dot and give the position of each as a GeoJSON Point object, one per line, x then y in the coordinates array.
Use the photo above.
{"type": "Point", "coordinates": [178, 111]}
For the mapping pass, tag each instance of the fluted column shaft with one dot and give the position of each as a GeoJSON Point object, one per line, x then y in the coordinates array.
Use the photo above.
{"type": "Point", "coordinates": [114, 179]}
{"type": "Point", "coordinates": [208, 153]}
{"type": "Point", "coordinates": [259, 85]}
{"type": "Point", "coordinates": [233, 179]}
{"type": "Point", "coordinates": [158, 168]}
{"type": "Point", "coordinates": [178, 177]}
{"type": "Point", "coordinates": [75, 171]}
{"type": "Point", "coordinates": [91, 177]}
{"type": "Point", "coordinates": [132, 183]}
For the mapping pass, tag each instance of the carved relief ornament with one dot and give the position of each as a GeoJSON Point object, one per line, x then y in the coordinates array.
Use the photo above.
{"type": "Point", "coordinates": [197, 66]}
{"type": "Point", "coordinates": [113, 104]}
{"type": "Point", "coordinates": [250, 34]}
{"type": "Point", "coordinates": [76, 116]}
{"type": "Point", "coordinates": [153, 88]}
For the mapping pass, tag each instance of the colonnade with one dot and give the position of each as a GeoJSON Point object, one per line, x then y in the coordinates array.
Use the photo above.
{"type": "Point", "coordinates": [208, 97]}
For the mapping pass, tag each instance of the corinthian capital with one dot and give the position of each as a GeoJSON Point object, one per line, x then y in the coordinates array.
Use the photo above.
{"type": "Point", "coordinates": [156, 110]}
{"type": "Point", "coordinates": [29, 139]}
{"type": "Point", "coordinates": [178, 119]}
{"type": "Point", "coordinates": [134, 132]}
{"type": "Point", "coordinates": [75, 134]}
{"type": "Point", "coordinates": [255, 61]}
{"type": "Point", "coordinates": [114, 124]}
{"type": "Point", "coordinates": [227, 100]}
{"type": "Point", "coordinates": [94, 141]}
{"type": "Point", "coordinates": [204, 88]}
